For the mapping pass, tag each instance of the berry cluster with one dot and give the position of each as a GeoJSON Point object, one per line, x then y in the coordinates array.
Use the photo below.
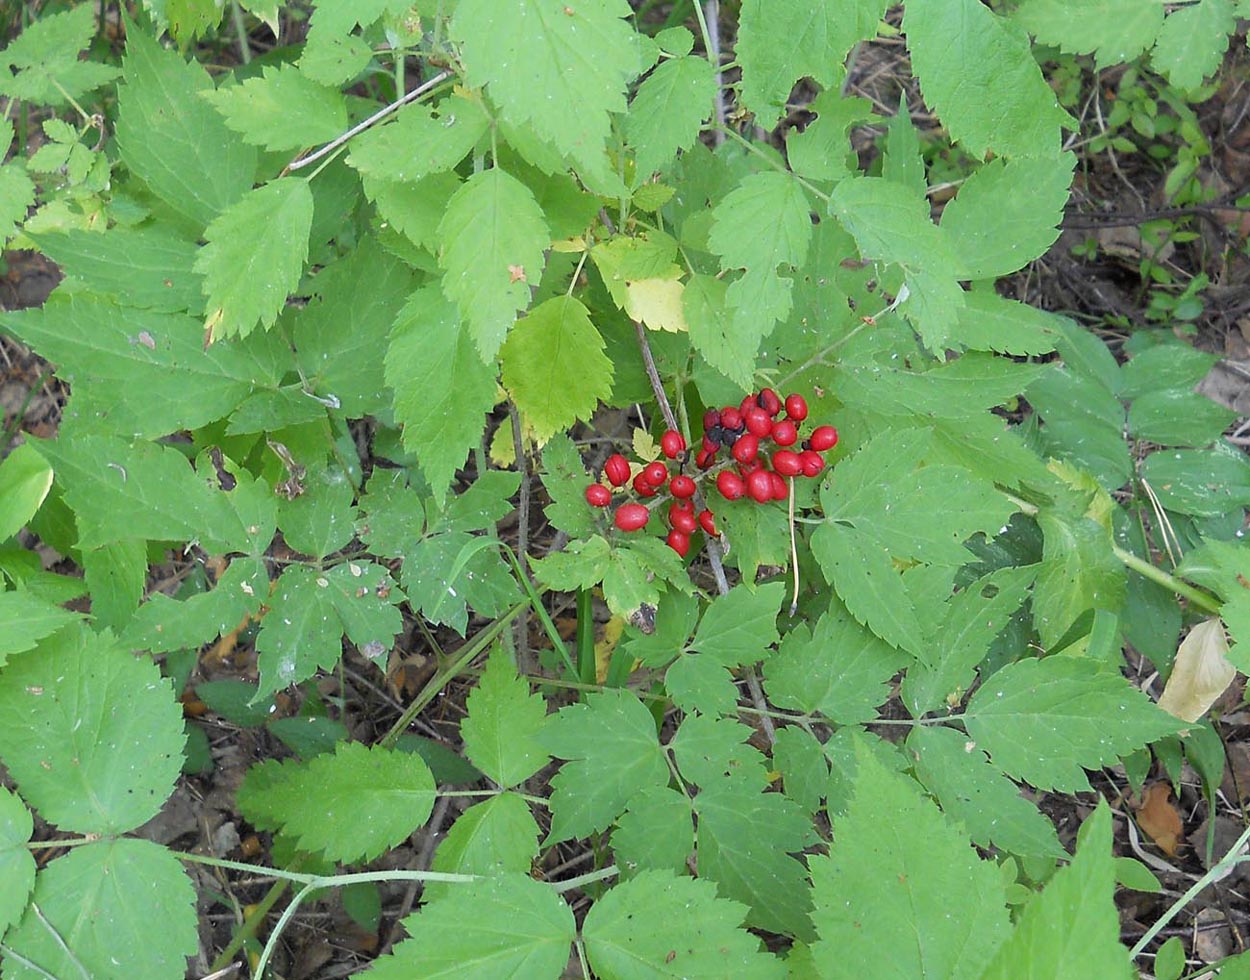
{"type": "Point", "coordinates": [745, 432]}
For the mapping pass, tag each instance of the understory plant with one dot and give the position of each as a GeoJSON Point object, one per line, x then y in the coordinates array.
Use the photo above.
{"type": "Point", "coordinates": [455, 308]}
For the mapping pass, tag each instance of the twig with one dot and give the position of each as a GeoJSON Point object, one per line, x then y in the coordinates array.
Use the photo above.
{"type": "Point", "coordinates": [711, 17]}
{"type": "Point", "coordinates": [377, 117]}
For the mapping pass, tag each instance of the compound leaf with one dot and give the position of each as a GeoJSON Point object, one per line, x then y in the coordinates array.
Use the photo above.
{"type": "Point", "coordinates": [42, 65]}
{"type": "Point", "coordinates": [505, 721]}
{"type": "Point", "coordinates": [492, 837]}
{"type": "Point", "coordinates": [656, 832]}
{"type": "Point", "coordinates": [565, 479]}
{"type": "Point", "coordinates": [418, 142]}
{"type": "Point", "coordinates": [92, 734]}
{"type": "Point", "coordinates": [739, 627]}
{"type": "Point", "coordinates": [724, 343]}
{"type": "Point", "coordinates": [281, 109]}
{"type": "Point", "coordinates": [1041, 721]}
{"type": "Point", "coordinates": [668, 111]}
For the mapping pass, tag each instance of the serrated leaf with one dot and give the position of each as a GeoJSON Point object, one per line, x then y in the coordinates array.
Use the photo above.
{"type": "Point", "coordinates": [1042, 721]}
{"type": "Point", "coordinates": [1201, 482]}
{"type": "Point", "coordinates": [112, 908]}
{"type": "Point", "coordinates": [961, 51]}
{"type": "Point", "coordinates": [509, 926]}
{"type": "Point", "coordinates": [28, 618]}
{"type": "Point", "coordinates": [738, 627]}
{"type": "Point", "coordinates": [902, 161]}
{"type": "Point", "coordinates": [800, 759]}
{"type": "Point", "coordinates": [320, 520]}
{"type": "Point", "coordinates": [975, 793]}
{"type": "Point", "coordinates": [668, 111]}
{"type": "Point", "coordinates": [116, 575]}
{"type": "Point", "coordinates": [820, 150]}
{"type": "Point", "coordinates": [656, 832]}
{"type": "Point", "coordinates": [565, 479]}
{"type": "Point", "coordinates": [254, 255]}
{"type": "Point", "coordinates": [1177, 417]}
{"type": "Point", "coordinates": [418, 142]}
{"type": "Point", "coordinates": [92, 735]}
{"type": "Point", "coordinates": [634, 572]}
{"type": "Point", "coordinates": [309, 612]}
{"type": "Point", "coordinates": [709, 750]}
{"type": "Point", "coordinates": [701, 683]}
{"type": "Point", "coordinates": [1192, 42]}
{"type": "Point", "coordinates": [493, 837]}
{"type": "Point", "coordinates": [492, 238]}
{"type": "Point", "coordinates": [613, 751]}
{"type": "Point", "coordinates": [778, 45]}
{"type": "Point", "coordinates": [331, 57]}
{"type": "Point", "coordinates": [902, 887]}
{"type": "Point", "coordinates": [413, 208]}
{"type": "Point", "coordinates": [1071, 930]}
{"type": "Point", "coordinates": [1114, 31]}
{"type": "Point", "coordinates": [727, 345]}
{"type": "Point", "coordinates": [1007, 214]}
{"type": "Point", "coordinates": [745, 843]}
{"type": "Point", "coordinates": [42, 66]}
{"type": "Point", "coordinates": [17, 194]}
{"type": "Point", "coordinates": [991, 322]}
{"type": "Point", "coordinates": [17, 865]}
{"type": "Point", "coordinates": [281, 109]}
{"type": "Point", "coordinates": [757, 534]}
{"type": "Point", "coordinates": [554, 366]}
{"type": "Point", "coordinates": [579, 63]}
{"type": "Point", "coordinates": [1078, 572]}
{"type": "Point", "coordinates": [502, 733]}
{"type": "Point", "coordinates": [25, 479]}
{"type": "Point", "coordinates": [163, 127]}
{"type": "Point", "coordinates": [837, 668]}
{"type": "Point", "coordinates": [443, 390]}
{"type": "Point", "coordinates": [121, 490]}
{"type": "Point", "coordinates": [645, 925]}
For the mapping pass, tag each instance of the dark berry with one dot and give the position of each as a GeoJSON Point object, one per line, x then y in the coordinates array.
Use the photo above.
{"type": "Point", "coordinates": [682, 487]}
{"type": "Point", "coordinates": [730, 485]}
{"type": "Point", "coordinates": [597, 495]}
{"type": "Point", "coordinates": [711, 419]}
{"type": "Point", "coordinates": [823, 437]}
{"type": "Point", "coordinates": [796, 407]}
{"type": "Point", "coordinates": [671, 443]}
{"type": "Point", "coordinates": [616, 469]}
{"type": "Point", "coordinates": [631, 517]}
{"type": "Point", "coordinates": [784, 433]}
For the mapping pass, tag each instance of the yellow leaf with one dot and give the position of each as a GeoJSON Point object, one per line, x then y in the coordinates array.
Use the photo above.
{"type": "Point", "coordinates": [645, 448]}
{"type": "Point", "coordinates": [1200, 673]}
{"type": "Point", "coordinates": [604, 649]}
{"type": "Point", "coordinates": [657, 303]}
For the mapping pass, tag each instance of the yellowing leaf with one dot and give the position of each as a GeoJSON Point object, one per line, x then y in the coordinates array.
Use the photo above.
{"type": "Point", "coordinates": [1157, 816]}
{"type": "Point", "coordinates": [1200, 673]}
{"type": "Point", "coordinates": [658, 304]}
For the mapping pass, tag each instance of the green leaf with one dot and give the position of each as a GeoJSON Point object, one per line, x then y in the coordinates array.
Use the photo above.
{"type": "Point", "coordinates": [27, 619]}
{"type": "Point", "coordinates": [1201, 482]}
{"type": "Point", "coordinates": [116, 576]}
{"type": "Point", "coordinates": [902, 160]}
{"type": "Point", "coordinates": [978, 73]}
{"type": "Point", "coordinates": [443, 390]}
{"type": "Point", "coordinates": [1007, 214]}
{"type": "Point", "coordinates": [320, 520]}
{"type": "Point", "coordinates": [1192, 42]}
{"type": "Point", "coordinates": [17, 865]}
{"type": "Point", "coordinates": [281, 109]}
{"type": "Point", "coordinates": [902, 888]}
{"type": "Point", "coordinates": [668, 111]}
{"type": "Point", "coordinates": [112, 908]}
{"type": "Point", "coordinates": [505, 722]}
{"type": "Point", "coordinates": [368, 800]}
{"type": "Point", "coordinates": [25, 479]}
{"type": "Point", "coordinates": [492, 238]}
{"type": "Point", "coordinates": [635, 570]}
{"type": "Point", "coordinates": [1084, 424]}
{"type": "Point", "coordinates": [163, 127]}
{"type": "Point", "coordinates": [1114, 31]}
{"type": "Point", "coordinates": [975, 793]}
{"type": "Point", "coordinates": [698, 682]}
{"type": "Point", "coordinates": [990, 322]}
{"type": "Point", "coordinates": [656, 832]}
{"type": "Point", "coordinates": [779, 44]}
{"type": "Point", "coordinates": [92, 735]}
{"type": "Point", "coordinates": [333, 58]}
{"type": "Point", "coordinates": [121, 490]}
{"type": "Point", "coordinates": [727, 345]}
{"type": "Point", "coordinates": [821, 149]}
{"type": "Point", "coordinates": [739, 627]}
{"type": "Point", "coordinates": [446, 573]}
{"type": "Point", "coordinates": [1176, 417]}
{"type": "Point", "coordinates": [418, 142]}
{"type": "Point", "coordinates": [493, 837]}
{"type": "Point", "coordinates": [800, 759]}
{"type": "Point", "coordinates": [565, 479]}
{"type": "Point", "coordinates": [42, 65]}
{"type": "Point", "coordinates": [579, 63]}
{"type": "Point", "coordinates": [1071, 930]}
{"type": "Point", "coordinates": [709, 750]}
{"type": "Point", "coordinates": [611, 742]}
{"type": "Point", "coordinates": [1166, 365]}
{"type": "Point", "coordinates": [554, 366]}
{"type": "Point", "coordinates": [757, 534]}
{"type": "Point", "coordinates": [17, 194]}
{"type": "Point", "coordinates": [746, 839]}
{"type": "Point", "coordinates": [509, 926]}
{"type": "Point", "coordinates": [659, 924]}
{"type": "Point", "coordinates": [1041, 721]}
{"type": "Point", "coordinates": [254, 256]}
{"type": "Point", "coordinates": [837, 668]}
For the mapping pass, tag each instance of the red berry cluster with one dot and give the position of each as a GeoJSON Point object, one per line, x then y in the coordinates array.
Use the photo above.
{"type": "Point", "coordinates": [745, 431]}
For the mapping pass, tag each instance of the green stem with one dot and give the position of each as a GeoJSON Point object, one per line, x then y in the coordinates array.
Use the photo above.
{"type": "Point", "coordinates": [586, 672]}
{"type": "Point", "coordinates": [536, 603]}
{"type": "Point", "coordinates": [1203, 600]}
{"type": "Point", "coordinates": [586, 879]}
{"type": "Point", "coordinates": [774, 163]}
{"type": "Point", "coordinates": [240, 30]}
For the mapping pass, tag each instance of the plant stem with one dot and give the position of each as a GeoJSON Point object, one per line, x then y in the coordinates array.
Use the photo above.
{"type": "Point", "coordinates": [1203, 600]}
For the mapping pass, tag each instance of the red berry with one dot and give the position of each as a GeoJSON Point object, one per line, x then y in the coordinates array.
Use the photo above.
{"type": "Point", "coordinates": [616, 469]}
{"type": "Point", "coordinates": [780, 490]}
{"type": "Point", "coordinates": [643, 487]}
{"type": "Point", "coordinates": [711, 419]}
{"type": "Point", "coordinates": [746, 469]}
{"type": "Point", "coordinates": [705, 458]}
{"type": "Point", "coordinates": [631, 517]}
{"type": "Point", "coordinates": [671, 443]}
{"type": "Point", "coordinates": [784, 433]}
{"type": "Point", "coordinates": [760, 486]}
{"type": "Point", "coordinates": [730, 485]}
{"type": "Point", "coordinates": [747, 404]}
{"type": "Point", "coordinates": [682, 518]}
{"type": "Point", "coordinates": [708, 522]}
{"type": "Point", "coordinates": [758, 423]}
{"type": "Point", "coordinates": [823, 437]}
{"type": "Point", "coordinates": [656, 474]}
{"type": "Point", "coordinates": [769, 401]}
{"type": "Point", "coordinates": [746, 448]}
{"type": "Point", "coordinates": [730, 418]}
{"type": "Point", "coordinates": [597, 495]}
{"type": "Point", "coordinates": [682, 487]}
{"type": "Point", "coordinates": [811, 461]}
{"type": "Point", "coordinates": [710, 445]}
{"type": "Point", "coordinates": [679, 542]}
{"type": "Point", "coordinates": [796, 407]}
{"type": "Point", "coordinates": [787, 463]}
